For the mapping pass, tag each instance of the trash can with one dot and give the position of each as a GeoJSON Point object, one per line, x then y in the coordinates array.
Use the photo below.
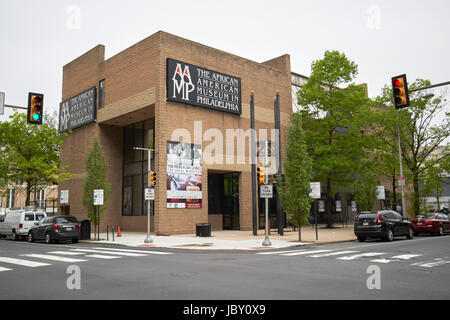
{"type": "Point", "coordinates": [85, 232]}
{"type": "Point", "coordinates": [203, 229]}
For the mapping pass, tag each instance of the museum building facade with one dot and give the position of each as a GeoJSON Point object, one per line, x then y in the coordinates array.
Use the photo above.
{"type": "Point", "coordinates": [188, 103]}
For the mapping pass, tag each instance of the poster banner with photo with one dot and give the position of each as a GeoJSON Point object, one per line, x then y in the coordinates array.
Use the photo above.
{"type": "Point", "coordinates": [184, 175]}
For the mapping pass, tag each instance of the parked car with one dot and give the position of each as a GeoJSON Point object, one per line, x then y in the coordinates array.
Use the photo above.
{"type": "Point", "coordinates": [435, 223]}
{"type": "Point", "coordinates": [53, 229]}
{"type": "Point", "coordinates": [17, 223]}
{"type": "Point", "coordinates": [384, 224]}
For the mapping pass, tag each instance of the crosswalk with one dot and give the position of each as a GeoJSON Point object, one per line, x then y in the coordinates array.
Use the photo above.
{"type": "Point", "coordinates": [76, 255]}
{"type": "Point", "coordinates": [354, 255]}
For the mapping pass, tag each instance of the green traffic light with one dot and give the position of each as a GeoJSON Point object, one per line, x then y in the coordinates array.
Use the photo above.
{"type": "Point", "coordinates": [36, 116]}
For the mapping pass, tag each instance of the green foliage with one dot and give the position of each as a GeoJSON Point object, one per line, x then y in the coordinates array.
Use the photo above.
{"type": "Point", "coordinates": [30, 153]}
{"type": "Point", "coordinates": [96, 168]}
{"type": "Point", "coordinates": [295, 187]}
{"type": "Point", "coordinates": [337, 121]}
{"type": "Point", "coordinates": [420, 134]}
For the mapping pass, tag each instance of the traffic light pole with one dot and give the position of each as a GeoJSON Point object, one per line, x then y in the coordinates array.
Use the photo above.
{"type": "Point", "coordinates": [266, 241]}
{"type": "Point", "coordinates": [148, 239]}
{"type": "Point", "coordinates": [401, 173]}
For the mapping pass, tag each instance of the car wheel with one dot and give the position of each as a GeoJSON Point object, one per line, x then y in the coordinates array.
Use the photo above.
{"type": "Point", "coordinates": [389, 235]}
{"type": "Point", "coordinates": [410, 234]}
{"type": "Point", "coordinates": [74, 240]}
{"type": "Point", "coordinates": [441, 231]}
{"type": "Point", "coordinates": [48, 238]}
{"type": "Point", "coordinates": [30, 237]}
{"type": "Point", "coordinates": [361, 239]}
{"type": "Point", "coordinates": [14, 236]}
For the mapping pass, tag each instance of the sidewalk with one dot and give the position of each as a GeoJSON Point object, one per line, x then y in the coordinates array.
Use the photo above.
{"type": "Point", "coordinates": [232, 240]}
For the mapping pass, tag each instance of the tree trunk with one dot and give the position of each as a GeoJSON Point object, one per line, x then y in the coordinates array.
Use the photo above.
{"type": "Point", "coordinates": [299, 233]}
{"type": "Point", "coordinates": [329, 205]}
{"type": "Point", "coordinates": [27, 200]}
{"type": "Point", "coordinates": [416, 205]}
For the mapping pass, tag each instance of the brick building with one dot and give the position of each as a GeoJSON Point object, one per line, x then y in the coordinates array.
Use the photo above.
{"type": "Point", "coordinates": [157, 94]}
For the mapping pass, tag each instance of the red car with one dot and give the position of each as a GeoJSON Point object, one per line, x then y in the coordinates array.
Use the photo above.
{"type": "Point", "coordinates": [436, 223]}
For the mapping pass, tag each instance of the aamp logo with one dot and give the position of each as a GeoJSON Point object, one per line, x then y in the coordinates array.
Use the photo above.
{"type": "Point", "coordinates": [182, 82]}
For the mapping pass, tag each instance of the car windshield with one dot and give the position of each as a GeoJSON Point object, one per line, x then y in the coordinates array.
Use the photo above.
{"type": "Point", "coordinates": [425, 216]}
{"type": "Point", "coordinates": [66, 219]}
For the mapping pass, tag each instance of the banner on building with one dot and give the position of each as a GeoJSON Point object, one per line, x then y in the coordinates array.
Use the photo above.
{"type": "Point", "coordinates": [184, 175]}
{"type": "Point", "coordinates": [198, 86]}
{"type": "Point", "coordinates": [78, 111]}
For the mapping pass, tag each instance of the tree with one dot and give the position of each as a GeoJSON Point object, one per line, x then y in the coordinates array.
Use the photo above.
{"type": "Point", "coordinates": [30, 153]}
{"type": "Point", "coordinates": [336, 121]}
{"type": "Point", "coordinates": [96, 167]}
{"type": "Point", "coordinates": [420, 135]}
{"type": "Point", "coordinates": [294, 188]}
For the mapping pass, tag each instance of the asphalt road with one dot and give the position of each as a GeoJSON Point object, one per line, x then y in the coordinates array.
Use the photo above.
{"type": "Point", "coordinates": [402, 269]}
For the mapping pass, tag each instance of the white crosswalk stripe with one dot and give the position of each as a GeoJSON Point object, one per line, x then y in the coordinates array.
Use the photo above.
{"type": "Point", "coordinates": [21, 262]}
{"type": "Point", "coordinates": [278, 252]}
{"type": "Point", "coordinates": [361, 255]}
{"type": "Point", "coordinates": [322, 253]}
{"type": "Point", "coordinates": [100, 256]}
{"type": "Point", "coordinates": [304, 252]}
{"type": "Point", "coordinates": [128, 254]}
{"type": "Point", "coordinates": [133, 251]}
{"type": "Point", "coordinates": [331, 254]}
{"type": "Point", "coordinates": [396, 258]}
{"type": "Point", "coordinates": [430, 264]}
{"type": "Point", "coordinates": [4, 269]}
{"type": "Point", "coordinates": [53, 258]}
{"type": "Point", "coordinates": [67, 253]}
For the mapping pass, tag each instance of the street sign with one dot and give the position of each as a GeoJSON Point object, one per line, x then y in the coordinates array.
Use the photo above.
{"type": "Point", "coordinates": [98, 197]}
{"type": "Point", "coordinates": [380, 193]}
{"type": "Point", "coordinates": [401, 181]}
{"type": "Point", "coordinates": [266, 191]}
{"type": "Point", "coordinates": [149, 194]}
{"type": "Point", "coordinates": [2, 103]}
{"type": "Point", "coordinates": [64, 199]}
{"type": "Point", "coordinates": [314, 191]}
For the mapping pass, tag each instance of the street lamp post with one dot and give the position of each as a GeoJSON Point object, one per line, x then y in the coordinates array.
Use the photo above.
{"type": "Point", "coordinates": [148, 239]}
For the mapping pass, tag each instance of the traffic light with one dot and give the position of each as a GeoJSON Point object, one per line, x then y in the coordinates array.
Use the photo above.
{"type": "Point", "coordinates": [35, 108]}
{"type": "Point", "coordinates": [261, 177]}
{"type": "Point", "coordinates": [152, 179]}
{"type": "Point", "coordinates": [401, 94]}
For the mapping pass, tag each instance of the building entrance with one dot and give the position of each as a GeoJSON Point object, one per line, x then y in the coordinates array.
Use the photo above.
{"type": "Point", "coordinates": [223, 198]}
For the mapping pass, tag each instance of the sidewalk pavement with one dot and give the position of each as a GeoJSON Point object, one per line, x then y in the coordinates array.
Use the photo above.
{"type": "Point", "coordinates": [232, 240]}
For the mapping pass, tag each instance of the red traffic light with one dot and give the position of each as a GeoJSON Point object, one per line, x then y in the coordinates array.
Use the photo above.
{"type": "Point", "coordinates": [400, 89]}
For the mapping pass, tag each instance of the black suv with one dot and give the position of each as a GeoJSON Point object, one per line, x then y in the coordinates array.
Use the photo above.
{"type": "Point", "coordinates": [385, 224]}
{"type": "Point", "coordinates": [53, 229]}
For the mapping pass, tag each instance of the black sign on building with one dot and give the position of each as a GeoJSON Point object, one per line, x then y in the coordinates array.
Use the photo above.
{"type": "Point", "coordinates": [78, 111]}
{"type": "Point", "coordinates": [202, 87]}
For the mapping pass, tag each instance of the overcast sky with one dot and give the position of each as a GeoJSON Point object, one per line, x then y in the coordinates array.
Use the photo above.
{"type": "Point", "coordinates": [385, 38]}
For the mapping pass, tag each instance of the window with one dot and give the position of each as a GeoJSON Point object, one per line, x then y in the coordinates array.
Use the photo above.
{"type": "Point", "coordinates": [101, 94]}
{"type": "Point", "coordinates": [135, 167]}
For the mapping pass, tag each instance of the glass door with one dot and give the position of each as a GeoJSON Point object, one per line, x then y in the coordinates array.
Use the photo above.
{"type": "Point", "coordinates": [231, 202]}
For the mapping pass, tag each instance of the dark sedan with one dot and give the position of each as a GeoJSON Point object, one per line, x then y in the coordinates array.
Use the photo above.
{"type": "Point", "coordinates": [54, 229]}
{"type": "Point", "coordinates": [384, 224]}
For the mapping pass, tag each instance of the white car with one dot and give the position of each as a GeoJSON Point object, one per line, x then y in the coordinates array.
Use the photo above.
{"type": "Point", "coordinates": [17, 223]}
